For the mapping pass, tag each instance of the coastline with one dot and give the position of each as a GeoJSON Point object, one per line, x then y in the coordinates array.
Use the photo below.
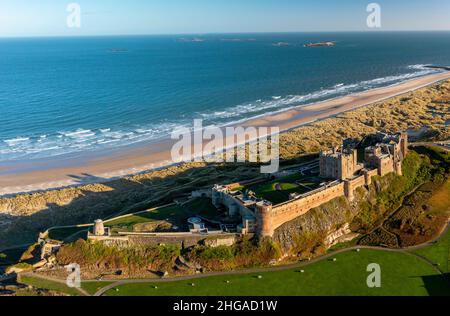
{"type": "Point", "coordinates": [55, 173]}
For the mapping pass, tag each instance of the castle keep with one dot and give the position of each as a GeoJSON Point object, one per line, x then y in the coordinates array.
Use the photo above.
{"type": "Point", "coordinates": [341, 172]}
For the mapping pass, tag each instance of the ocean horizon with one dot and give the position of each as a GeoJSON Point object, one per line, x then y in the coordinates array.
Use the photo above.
{"type": "Point", "coordinates": [61, 96]}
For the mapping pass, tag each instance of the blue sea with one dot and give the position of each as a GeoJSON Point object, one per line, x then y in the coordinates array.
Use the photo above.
{"type": "Point", "coordinates": [75, 95]}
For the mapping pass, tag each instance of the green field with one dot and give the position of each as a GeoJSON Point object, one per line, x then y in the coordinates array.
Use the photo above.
{"type": "Point", "coordinates": [439, 253]}
{"type": "Point", "coordinates": [94, 286]}
{"type": "Point", "coordinates": [49, 285]}
{"type": "Point", "coordinates": [401, 274]}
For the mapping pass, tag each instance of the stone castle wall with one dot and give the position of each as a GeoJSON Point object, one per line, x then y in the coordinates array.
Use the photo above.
{"type": "Point", "coordinates": [386, 165]}
{"type": "Point", "coordinates": [273, 218]}
{"type": "Point", "coordinates": [270, 219]}
{"type": "Point", "coordinates": [177, 239]}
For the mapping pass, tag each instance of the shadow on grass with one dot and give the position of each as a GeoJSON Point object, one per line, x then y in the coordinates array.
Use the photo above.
{"type": "Point", "coordinates": [437, 285]}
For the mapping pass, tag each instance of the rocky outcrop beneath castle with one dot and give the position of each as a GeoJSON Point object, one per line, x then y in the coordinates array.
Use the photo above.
{"type": "Point", "coordinates": [317, 224]}
{"type": "Point", "coordinates": [329, 223]}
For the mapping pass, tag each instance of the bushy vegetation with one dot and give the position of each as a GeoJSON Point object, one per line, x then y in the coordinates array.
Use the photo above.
{"type": "Point", "coordinates": [390, 190]}
{"type": "Point", "coordinates": [412, 209]}
{"type": "Point", "coordinates": [308, 244]}
{"type": "Point", "coordinates": [246, 253]}
{"type": "Point", "coordinates": [129, 260]}
{"type": "Point", "coordinates": [136, 261]}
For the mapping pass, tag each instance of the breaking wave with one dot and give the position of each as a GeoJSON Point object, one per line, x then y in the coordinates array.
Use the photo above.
{"type": "Point", "coordinates": [79, 140]}
{"type": "Point", "coordinates": [278, 103]}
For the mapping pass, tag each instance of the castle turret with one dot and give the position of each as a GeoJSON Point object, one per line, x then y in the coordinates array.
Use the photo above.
{"type": "Point", "coordinates": [398, 168]}
{"type": "Point", "coordinates": [367, 177]}
{"type": "Point", "coordinates": [404, 144]}
{"type": "Point", "coordinates": [99, 228]}
{"type": "Point", "coordinates": [217, 195]}
{"type": "Point", "coordinates": [263, 215]}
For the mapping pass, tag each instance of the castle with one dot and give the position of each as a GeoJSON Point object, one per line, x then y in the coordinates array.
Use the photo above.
{"type": "Point", "coordinates": [340, 166]}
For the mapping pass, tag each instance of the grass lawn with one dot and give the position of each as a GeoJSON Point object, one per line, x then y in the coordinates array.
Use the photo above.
{"type": "Point", "coordinates": [127, 223]}
{"type": "Point", "coordinates": [93, 287]}
{"type": "Point", "coordinates": [49, 285]}
{"type": "Point", "coordinates": [286, 185]}
{"type": "Point", "coordinates": [438, 253]}
{"type": "Point", "coordinates": [401, 274]}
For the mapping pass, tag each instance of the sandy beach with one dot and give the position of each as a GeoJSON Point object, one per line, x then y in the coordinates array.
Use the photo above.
{"type": "Point", "coordinates": [57, 172]}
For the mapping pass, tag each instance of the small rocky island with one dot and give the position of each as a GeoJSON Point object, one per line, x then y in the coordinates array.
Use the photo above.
{"type": "Point", "coordinates": [319, 44]}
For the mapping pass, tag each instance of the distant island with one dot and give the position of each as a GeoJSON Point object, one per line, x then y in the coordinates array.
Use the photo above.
{"type": "Point", "coordinates": [318, 44]}
{"type": "Point", "coordinates": [191, 40]}
{"type": "Point", "coordinates": [281, 44]}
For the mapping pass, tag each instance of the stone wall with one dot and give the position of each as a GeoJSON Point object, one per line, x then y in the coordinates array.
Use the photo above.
{"type": "Point", "coordinates": [180, 240]}
{"type": "Point", "coordinates": [386, 165]}
{"type": "Point", "coordinates": [269, 219]}
{"type": "Point", "coordinates": [288, 211]}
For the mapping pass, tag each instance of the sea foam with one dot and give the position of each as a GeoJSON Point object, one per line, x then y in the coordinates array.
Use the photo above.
{"type": "Point", "coordinates": [85, 139]}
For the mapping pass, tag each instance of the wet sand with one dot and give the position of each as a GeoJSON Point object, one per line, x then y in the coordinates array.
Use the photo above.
{"type": "Point", "coordinates": [57, 172]}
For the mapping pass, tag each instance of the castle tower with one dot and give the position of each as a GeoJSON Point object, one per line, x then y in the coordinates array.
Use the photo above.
{"type": "Point", "coordinates": [263, 217]}
{"type": "Point", "coordinates": [367, 177]}
{"type": "Point", "coordinates": [217, 194]}
{"type": "Point", "coordinates": [348, 189]}
{"type": "Point", "coordinates": [99, 228]}
{"type": "Point", "coordinates": [404, 144]}
{"type": "Point", "coordinates": [398, 168]}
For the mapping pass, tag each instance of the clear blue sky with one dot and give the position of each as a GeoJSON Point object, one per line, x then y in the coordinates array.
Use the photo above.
{"type": "Point", "coordinates": [109, 17]}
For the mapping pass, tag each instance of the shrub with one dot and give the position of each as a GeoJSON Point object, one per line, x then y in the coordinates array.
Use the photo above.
{"type": "Point", "coordinates": [132, 259]}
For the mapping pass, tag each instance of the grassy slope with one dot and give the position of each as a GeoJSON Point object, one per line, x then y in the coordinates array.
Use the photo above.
{"type": "Point", "coordinates": [49, 285]}
{"type": "Point", "coordinates": [438, 253]}
{"type": "Point", "coordinates": [401, 275]}
{"type": "Point", "coordinates": [93, 287]}
{"type": "Point", "coordinates": [63, 233]}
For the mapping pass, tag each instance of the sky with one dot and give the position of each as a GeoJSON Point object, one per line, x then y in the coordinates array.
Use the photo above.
{"type": "Point", "coordinates": [23, 18]}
